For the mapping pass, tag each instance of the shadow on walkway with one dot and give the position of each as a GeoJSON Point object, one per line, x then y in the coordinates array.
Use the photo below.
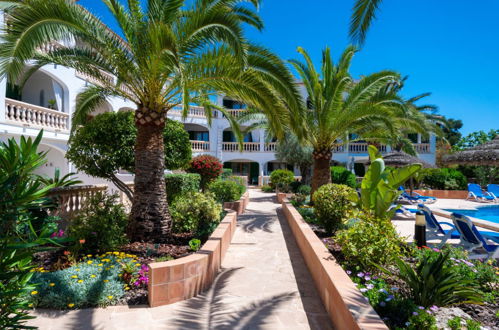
{"type": "Point", "coordinates": [208, 311]}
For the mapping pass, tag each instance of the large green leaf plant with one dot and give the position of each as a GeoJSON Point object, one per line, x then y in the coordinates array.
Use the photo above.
{"type": "Point", "coordinates": [379, 188]}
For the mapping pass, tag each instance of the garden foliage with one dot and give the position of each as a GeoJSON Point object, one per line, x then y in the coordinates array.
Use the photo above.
{"type": "Point", "coordinates": [333, 205]}
{"type": "Point", "coordinates": [341, 175]}
{"type": "Point", "coordinates": [195, 212]}
{"type": "Point", "coordinates": [101, 222]}
{"type": "Point", "coordinates": [226, 191]}
{"type": "Point", "coordinates": [209, 167]}
{"type": "Point", "coordinates": [445, 179]}
{"type": "Point", "coordinates": [281, 179]}
{"type": "Point", "coordinates": [180, 184]}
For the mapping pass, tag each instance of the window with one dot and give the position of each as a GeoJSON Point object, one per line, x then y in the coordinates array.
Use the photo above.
{"type": "Point", "coordinates": [42, 98]}
{"type": "Point", "coordinates": [231, 104]}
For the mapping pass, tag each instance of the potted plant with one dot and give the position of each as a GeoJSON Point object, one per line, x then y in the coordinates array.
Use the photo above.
{"type": "Point", "coordinates": [52, 104]}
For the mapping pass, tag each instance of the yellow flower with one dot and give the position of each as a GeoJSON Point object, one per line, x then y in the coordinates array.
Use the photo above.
{"type": "Point", "coordinates": [107, 268]}
{"type": "Point", "coordinates": [100, 265]}
{"type": "Point", "coordinates": [89, 262]}
{"type": "Point", "coordinates": [80, 281]}
{"type": "Point", "coordinates": [52, 284]}
{"type": "Point", "coordinates": [92, 276]}
{"type": "Point", "coordinates": [89, 255]}
{"type": "Point", "coordinates": [110, 297]}
{"type": "Point", "coordinates": [74, 276]}
{"type": "Point", "coordinates": [105, 281]}
{"type": "Point", "coordinates": [71, 305]}
{"type": "Point", "coordinates": [30, 305]}
{"type": "Point", "coordinates": [138, 265]}
{"type": "Point", "coordinates": [116, 253]}
{"type": "Point", "coordinates": [112, 266]}
{"type": "Point", "coordinates": [77, 269]}
{"type": "Point", "coordinates": [34, 292]}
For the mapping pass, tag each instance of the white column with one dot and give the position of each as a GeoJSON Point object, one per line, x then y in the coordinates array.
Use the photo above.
{"type": "Point", "coordinates": [261, 137]}
{"type": "Point", "coordinates": [419, 138]}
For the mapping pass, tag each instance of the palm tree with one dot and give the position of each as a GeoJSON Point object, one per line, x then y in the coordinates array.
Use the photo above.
{"type": "Point", "coordinates": [164, 54]}
{"type": "Point", "coordinates": [338, 105]}
{"type": "Point", "coordinates": [364, 13]}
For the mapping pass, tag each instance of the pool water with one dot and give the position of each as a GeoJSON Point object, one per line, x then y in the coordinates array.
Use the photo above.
{"type": "Point", "coordinates": [489, 212]}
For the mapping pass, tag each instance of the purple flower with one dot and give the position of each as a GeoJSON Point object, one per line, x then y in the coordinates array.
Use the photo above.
{"type": "Point", "coordinates": [356, 284]}
{"type": "Point", "coordinates": [370, 286]}
{"type": "Point", "coordinates": [421, 307]}
{"type": "Point", "coordinates": [389, 298]}
{"type": "Point", "coordinates": [361, 274]}
{"type": "Point", "coordinates": [436, 250]}
{"type": "Point", "coordinates": [349, 272]}
{"type": "Point", "coordinates": [415, 313]}
{"type": "Point", "coordinates": [363, 290]}
{"type": "Point", "coordinates": [434, 308]}
{"type": "Point", "coordinates": [469, 263]}
{"type": "Point", "coordinates": [383, 290]}
{"type": "Point", "coordinates": [382, 304]}
{"type": "Point", "coordinates": [375, 277]}
{"type": "Point", "coordinates": [367, 278]}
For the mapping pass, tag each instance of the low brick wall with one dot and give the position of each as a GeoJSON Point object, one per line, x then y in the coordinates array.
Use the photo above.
{"type": "Point", "coordinates": [180, 279]}
{"type": "Point", "coordinates": [281, 196]}
{"type": "Point", "coordinates": [444, 194]}
{"type": "Point", "coordinates": [345, 304]}
{"type": "Point", "coordinates": [240, 205]}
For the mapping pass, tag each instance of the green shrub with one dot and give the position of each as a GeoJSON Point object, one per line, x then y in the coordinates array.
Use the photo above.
{"type": "Point", "coordinates": [369, 241]}
{"type": "Point", "coordinates": [341, 175]}
{"type": "Point", "coordinates": [333, 204]}
{"type": "Point", "coordinates": [422, 320]}
{"type": "Point", "coordinates": [93, 282]}
{"type": "Point", "coordinates": [267, 188]}
{"type": "Point", "coordinates": [225, 191]}
{"type": "Point", "coordinates": [304, 189]}
{"type": "Point", "coordinates": [180, 184]}
{"type": "Point", "coordinates": [194, 212]}
{"type": "Point", "coordinates": [281, 179]}
{"type": "Point", "coordinates": [293, 186]}
{"type": "Point", "coordinates": [101, 222]}
{"type": "Point", "coordinates": [445, 178]}
{"type": "Point", "coordinates": [435, 282]}
{"type": "Point", "coordinates": [241, 182]}
{"type": "Point", "coordinates": [195, 244]}
{"type": "Point", "coordinates": [226, 172]}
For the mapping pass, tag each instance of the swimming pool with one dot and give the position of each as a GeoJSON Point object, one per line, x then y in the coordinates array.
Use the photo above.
{"type": "Point", "coordinates": [486, 212]}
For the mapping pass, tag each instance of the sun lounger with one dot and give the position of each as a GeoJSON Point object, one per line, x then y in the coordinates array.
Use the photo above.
{"type": "Point", "coordinates": [472, 239]}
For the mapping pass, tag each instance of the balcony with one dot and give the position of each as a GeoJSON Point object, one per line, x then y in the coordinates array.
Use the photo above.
{"type": "Point", "coordinates": [30, 115]}
{"type": "Point", "coordinates": [194, 111]}
{"type": "Point", "coordinates": [422, 148]}
{"type": "Point", "coordinates": [200, 146]}
{"type": "Point", "coordinates": [249, 147]}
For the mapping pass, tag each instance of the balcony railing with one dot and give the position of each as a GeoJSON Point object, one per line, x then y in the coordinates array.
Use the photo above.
{"type": "Point", "coordinates": [270, 147]}
{"type": "Point", "coordinates": [422, 148]}
{"type": "Point", "coordinates": [31, 115]}
{"type": "Point", "coordinates": [361, 148]}
{"type": "Point", "coordinates": [194, 111]}
{"type": "Point", "coordinates": [199, 146]}
{"type": "Point", "coordinates": [247, 146]}
{"type": "Point", "coordinates": [236, 113]}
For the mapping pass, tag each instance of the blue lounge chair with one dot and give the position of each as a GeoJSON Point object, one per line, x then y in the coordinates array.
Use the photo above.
{"type": "Point", "coordinates": [415, 197]}
{"type": "Point", "coordinates": [475, 192]}
{"type": "Point", "coordinates": [434, 228]}
{"type": "Point", "coordinates": [472, 239]}
{"type": "Point", "coordinates": [493, 190]}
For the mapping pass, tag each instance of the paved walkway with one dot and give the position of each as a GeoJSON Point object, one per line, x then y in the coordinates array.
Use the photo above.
{"type": "Point", "coordinates": [264, 284]}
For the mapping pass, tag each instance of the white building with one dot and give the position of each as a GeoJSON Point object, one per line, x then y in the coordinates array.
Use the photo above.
{"type": "Point", "coordinates": [47, 102]}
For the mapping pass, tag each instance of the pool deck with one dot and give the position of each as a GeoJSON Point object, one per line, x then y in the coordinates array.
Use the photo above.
{"type": "Point", "coordinates": [405, 224]}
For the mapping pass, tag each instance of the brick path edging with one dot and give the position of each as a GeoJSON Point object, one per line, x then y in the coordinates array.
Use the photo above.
{"type": "Point", "coordinates": [183, 278]}
{"type": "Point", "coordinates": [345, 304]}
{"type": "Point", "coordinates": [444, 194]}
{"type": "Point", "coordinates": [240, 205]}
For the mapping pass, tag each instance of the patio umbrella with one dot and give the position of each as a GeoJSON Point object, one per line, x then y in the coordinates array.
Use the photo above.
{"type": "Point", "coordinates": [483, 154]}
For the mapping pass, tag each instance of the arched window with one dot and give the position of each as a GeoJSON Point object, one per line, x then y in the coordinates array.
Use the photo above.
{"type": "Point", "coordinates": [42, 98]}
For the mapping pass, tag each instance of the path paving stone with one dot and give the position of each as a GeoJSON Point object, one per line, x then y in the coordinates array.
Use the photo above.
{"type": "Point", "coordinates": [264, 284]}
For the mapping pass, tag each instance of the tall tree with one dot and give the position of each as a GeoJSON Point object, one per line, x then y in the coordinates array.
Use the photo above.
{"type": "Point", "coordinates": [338, 105]}
{"type": "Point", "coordinates": [291, 151]}
{"type": "Point", "coordinates": [363, 14]}
{"type": "Point", "coordinates": [165, 53]}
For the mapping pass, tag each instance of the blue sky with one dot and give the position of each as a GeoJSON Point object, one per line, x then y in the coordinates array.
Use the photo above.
{"type": "Point", "coordinates": [447, 47]}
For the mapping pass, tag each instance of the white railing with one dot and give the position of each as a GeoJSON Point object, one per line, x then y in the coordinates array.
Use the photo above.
{"type": "Point", "coordinates": [194, 111]}
{"type": "Point", "coordinates": [200, 145]}
{"type": "Point", "coordinates": [236, 113]}
{"type": "Point", "coordinates": [28, 114]}
{"type": "Point", "coordinates": [422, 148]}
{"type": "Point", "coordinates": [247, 146]}
{"type": "Point", "coordinates": [270, 147]}
{"type": "Point", "coordinates": [361, 147]}
{"type": "Point", "coordinates": [339, 149]}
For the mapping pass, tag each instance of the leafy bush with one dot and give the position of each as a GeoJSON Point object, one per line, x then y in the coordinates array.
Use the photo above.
{"type": "Point", "coordinates": [304, 189]}
{"type": "Point", "coordinates": [225, 191]}
{"type": "Point", "coordinates": [194, 212]}
{"type": "Point", "coordinates": [101, 222]}
{"type": "Point", "coordinates": [195, 244]}
{"type": "Point", "coordinates": [435, 282]}
{"type": "Point", "coordinates": [209, 167]}
{"type": "Point", "coordinates": [422, 320]}
{"type": "Point", "coordinates": [369, 241]}
{"type": "Point", "coordinates": [445, 178]}
{"type": "Point", "coordinates": [226, 172]}
{"type": "Point", "coordinates": [93, 282]}
{"type": "Point", "coordinates": [21, 192]}
{"type": "Point", "coordinates": [333, 204]}
{"type": "Point", "coordinates": [180, 184]}
{"type": "Point", "coordinates": [293, 186]}
{"type": "Point", "coordinates": [267, 188]}
{"type": "Point", "coordinates": [281, 179]}
{"type": "Point", "coordinates": [239, 180]}
{"type": "Point", "coordinates": [341, 175]}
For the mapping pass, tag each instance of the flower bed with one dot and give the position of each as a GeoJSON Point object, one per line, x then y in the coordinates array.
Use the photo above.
{"type": "Point", "coordinates": [401, 303]}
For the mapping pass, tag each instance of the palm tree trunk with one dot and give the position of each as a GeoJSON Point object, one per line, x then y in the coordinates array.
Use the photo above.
{"type": "Point", "coordinates": [322, 171]}
{"type": "Point", "coordinates": [305, 174]}
{"type": "Point", "coordinates": [150, 219]}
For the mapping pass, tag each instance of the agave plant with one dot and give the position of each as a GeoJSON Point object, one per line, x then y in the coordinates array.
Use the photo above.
{"type": "Point", "coordinates": [435, 282]}
{"type": "Point", "coordinates": [59, 182]}
{"type": "Point", "coordinates": [164, 53]}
